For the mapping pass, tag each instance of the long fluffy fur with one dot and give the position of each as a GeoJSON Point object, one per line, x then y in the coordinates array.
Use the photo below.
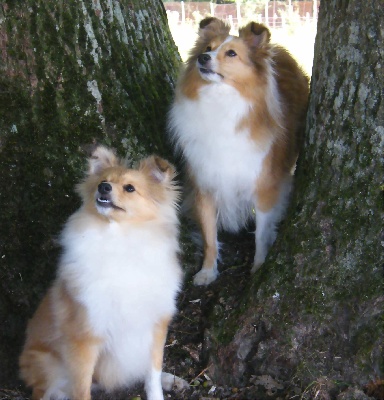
{"type": "Point", "coordinates": [238, 118]}
{"type": "Point", "coordinates": [105, 318]}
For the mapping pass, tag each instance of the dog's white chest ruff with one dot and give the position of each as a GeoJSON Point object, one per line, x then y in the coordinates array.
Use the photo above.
{"type": "Point", "coordinates": [126, 282]}
{"type": "Point", "coordinates": [223, 158]}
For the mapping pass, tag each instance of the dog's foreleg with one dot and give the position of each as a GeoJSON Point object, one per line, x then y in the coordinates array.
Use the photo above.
{"type": "Point", "coordinates": [80, 356]}
{"type": "Point", "coordinates": [206, 213]}
{"type": "Point", "coordinates": [153, 386]}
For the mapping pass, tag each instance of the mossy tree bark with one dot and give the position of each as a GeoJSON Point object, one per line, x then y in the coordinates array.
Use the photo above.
{"type": "Point", "coordinates": [70, 73]}
{"type": "Point", "coordinates": [315, 309]}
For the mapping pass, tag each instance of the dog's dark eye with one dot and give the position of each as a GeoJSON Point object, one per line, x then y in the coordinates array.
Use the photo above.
{"type": "Point", "coordinates": [209, 48]}
{"type": "Point", "coordinates": [129, 188]}
{"type": "Point", "coordinates": [231, 53]}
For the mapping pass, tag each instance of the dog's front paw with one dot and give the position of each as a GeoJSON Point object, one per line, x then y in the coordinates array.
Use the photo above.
{"type": "Point", "coordinates": [172, 382]}
{"type": "Point", "coordinates": [205, 276]}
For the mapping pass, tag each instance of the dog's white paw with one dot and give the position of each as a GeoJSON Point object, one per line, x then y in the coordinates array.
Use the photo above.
{"type": "Point", "coordinates": [256, 266]}
{"type": "Point", "coordinates": [205, 276]}
{"type": "Point", "coordinates": [172, 382]}
{"type": "Point", "coordinates": [259, 259]}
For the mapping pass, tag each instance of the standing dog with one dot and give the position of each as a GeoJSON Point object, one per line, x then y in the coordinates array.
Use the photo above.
{"type": "Point", "coordinates": [237, 118]}
{"type": "Point", "coordinates": [106, 316]}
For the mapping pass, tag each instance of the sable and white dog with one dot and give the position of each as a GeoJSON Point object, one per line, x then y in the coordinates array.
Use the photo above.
{"type": "Point", "coordinates": [237, 118]}
{"type": "Point", "coordinates": [106, 316]}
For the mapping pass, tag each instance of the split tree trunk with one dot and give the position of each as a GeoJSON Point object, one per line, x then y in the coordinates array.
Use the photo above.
{"type": "Point", "coordinates": [70, 73]}
{"type": "Point", "coordinates": [314, 312]}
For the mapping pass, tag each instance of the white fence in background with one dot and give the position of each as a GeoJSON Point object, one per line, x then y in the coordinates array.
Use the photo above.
{"type": "Point", "coordinates": [275, 14]}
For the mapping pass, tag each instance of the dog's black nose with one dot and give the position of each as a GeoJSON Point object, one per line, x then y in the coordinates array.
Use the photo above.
{"type": "Point", "coordinates": [203, 58]}
{"type": "Point", "coordinates": [104, 188]}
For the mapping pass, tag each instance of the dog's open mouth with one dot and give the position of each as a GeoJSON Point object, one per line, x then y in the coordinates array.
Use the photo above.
{"type": "Point", "coordinates": [105, 202]}
{"type": "Point", "coordinates": [208, 71]}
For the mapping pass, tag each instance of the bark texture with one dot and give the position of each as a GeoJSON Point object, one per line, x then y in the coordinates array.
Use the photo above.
{"type": "Point", "coordinates": [314, 313]}
{"type": "Point", "coordinates": [70, 73]}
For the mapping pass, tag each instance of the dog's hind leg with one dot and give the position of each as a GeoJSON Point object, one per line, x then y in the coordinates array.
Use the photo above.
{"type": "Point", "coordinates": [270, 207]}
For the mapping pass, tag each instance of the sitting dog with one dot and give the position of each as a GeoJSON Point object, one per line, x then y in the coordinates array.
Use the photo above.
{"type": "Point", "coordinates": [105, 318]}
{"type": "Point", "coordinates": [238, 117]}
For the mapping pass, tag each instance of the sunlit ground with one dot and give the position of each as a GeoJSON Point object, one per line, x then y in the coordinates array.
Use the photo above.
{"type": "Point", "coordinates": [298, 39]}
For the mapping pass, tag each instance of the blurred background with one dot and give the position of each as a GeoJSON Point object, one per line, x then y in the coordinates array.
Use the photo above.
{"type": "Point", "coordinates": [292, 23]}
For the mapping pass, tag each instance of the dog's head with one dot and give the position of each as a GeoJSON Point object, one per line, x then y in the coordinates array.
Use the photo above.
{"type": "Point", "coordinates": [235, 60]}
{"type": "Point", "coordinates": [119, 193]}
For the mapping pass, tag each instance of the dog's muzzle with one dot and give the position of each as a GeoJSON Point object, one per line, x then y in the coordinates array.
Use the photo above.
{"type": "Point", "coordinates": [204, 63]}
{"type": "Point", "coordinates": [104, 195]}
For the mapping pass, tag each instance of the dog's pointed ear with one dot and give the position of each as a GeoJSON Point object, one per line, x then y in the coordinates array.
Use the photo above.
{"type": "Point", "coordinates": [160, 170]}
{"type": "Point", "coordinates": [211, 25]}
{"type": "Point", "coordinates": [100, 157]}
{"type": "Point", "coordinates": [256, 35]}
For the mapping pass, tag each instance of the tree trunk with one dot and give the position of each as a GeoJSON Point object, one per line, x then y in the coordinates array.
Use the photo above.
{"type": "Point", "coordinates": [70, 73]}
{"type": "Point", "coordinates": [314, 313]}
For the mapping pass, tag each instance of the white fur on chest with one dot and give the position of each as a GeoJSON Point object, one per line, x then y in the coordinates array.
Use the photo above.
{"type": "Point", "coordinates": [127, 282]}
{"type": "Point", "coordinates": [224, 161]}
